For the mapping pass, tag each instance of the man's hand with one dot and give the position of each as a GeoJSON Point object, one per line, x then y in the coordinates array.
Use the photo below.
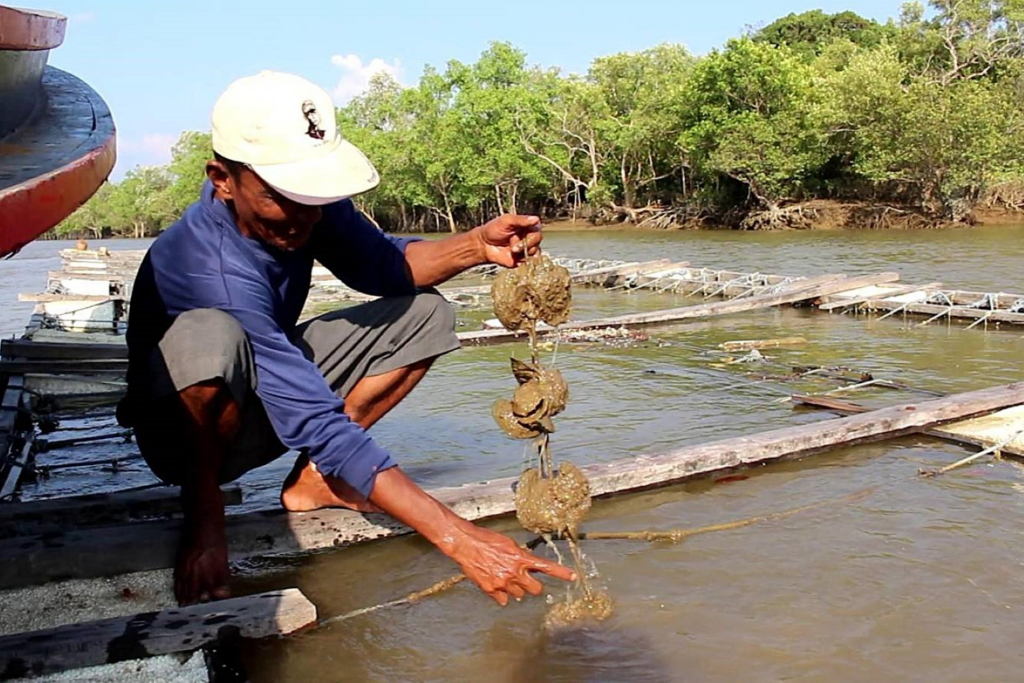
{"type": "Point", "coordinates": [500, 567]}
{"type": "Point", "coordinates": [492, 561]}
{"type": "Point", "coordinates": [506, 241]}
{"type": "Point", "coordinates": [509, 238]}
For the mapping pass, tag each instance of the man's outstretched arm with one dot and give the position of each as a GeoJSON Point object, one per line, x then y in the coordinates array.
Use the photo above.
{"type": "Point", "coordinates": [503, 241]}
{"type": "Point", "coordinates": [491, 560]}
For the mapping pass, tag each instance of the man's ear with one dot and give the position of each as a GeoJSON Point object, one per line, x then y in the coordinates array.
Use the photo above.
{"type": "Point", "coordinates": [221, 179]}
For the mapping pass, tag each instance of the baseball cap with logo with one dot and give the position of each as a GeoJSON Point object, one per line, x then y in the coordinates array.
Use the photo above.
{"type": "Point", "coordinates": [283, 127]}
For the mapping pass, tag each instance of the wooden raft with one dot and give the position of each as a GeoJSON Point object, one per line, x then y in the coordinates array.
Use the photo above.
{"type": "Point", "coordinates": [802, 290]}
{"type": "Point", "coordinates": [151, 545]}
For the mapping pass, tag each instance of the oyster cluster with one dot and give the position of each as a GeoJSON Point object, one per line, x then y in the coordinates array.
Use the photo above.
{"type": "Point", "coordinates": [542, 393]}
{"type": "Point", "coordinates": [553, 505]}
{"type": "Point", "coordinates": [539, 289]}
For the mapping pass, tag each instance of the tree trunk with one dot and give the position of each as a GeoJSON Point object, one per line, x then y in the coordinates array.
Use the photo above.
{"type": "Point", "coordinates": [628, 186]}
{"type": "Point", "coordinates": [448, 214]}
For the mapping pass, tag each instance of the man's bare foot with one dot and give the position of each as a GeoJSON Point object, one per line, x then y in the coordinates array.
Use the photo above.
{"type": "Point", "coordinates": [201, 573]}
{"type": "Point", "coordinates": [305, 489]}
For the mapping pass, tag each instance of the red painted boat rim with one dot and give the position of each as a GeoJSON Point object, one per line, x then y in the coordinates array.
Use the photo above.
{"type": "Point", "coordinates": [71, 151]}
{"type": "Point", "coordinates": [28, 29]}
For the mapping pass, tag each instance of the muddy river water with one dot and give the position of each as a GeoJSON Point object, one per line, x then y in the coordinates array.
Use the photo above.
{"type": "Point", "coordinates": [922, 579]}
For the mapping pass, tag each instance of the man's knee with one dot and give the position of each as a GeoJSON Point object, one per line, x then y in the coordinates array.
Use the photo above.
{"type": "Point", "coordinates": [206, 345]}
{"type": "Point", "coordinates": [436, 312]}
{"type": "Point", "coordinates": [211, 407]}
{"type": "Point", "coordinates": [207, 328]}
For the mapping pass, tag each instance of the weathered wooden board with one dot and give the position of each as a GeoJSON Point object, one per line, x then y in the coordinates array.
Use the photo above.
{"type": "Point", "coordinates": [96, 509]}
{"type": "Point", "coordinates": [840, 301]}
{"type": "Point", "coordinates": [950, 312]}
{"type": "Point", "coordinates": [746, 345]}
{"type": "Point", "coordinates": [72, 385]}
{"type": "Point", "coordinates": [40, 334]}
{"type": "Point", "coordinates": [81, 366]}
{"type": "Point", "coordinates": [985, 431]}
{"type": "Point", "coordinates": [11, 464]}
{"type": "Point", "coordinates": [803, 290]}
{"type": "Point", "coordinates": [149, 634]}
{"type": "Point", "coordinates": [596, 275]}
{"type": "Point", "coordinates": [52, 298]}
{"type": "Point", "coordinates": [40, 350]}
{"type": "Point", "coordinates": [138, 547]}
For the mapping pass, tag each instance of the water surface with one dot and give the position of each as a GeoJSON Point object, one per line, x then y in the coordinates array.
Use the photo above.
{"type": "Point", "coordinates": [919, 580]}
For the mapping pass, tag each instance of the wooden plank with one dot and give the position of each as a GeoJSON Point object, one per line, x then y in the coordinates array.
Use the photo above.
{"type": "Point", "coordinates": [16, 465]}
{"type": "Point", "coordinates": [66, 337]}
{"type": "Point", "coordinates": [10, 407]}
{"type": "Point", "coordinates": [183, 629]}
{"type": "Point", "coordinates": [53, 298]}
{"type": "Point", "coordinates": [96, 509]}
{"type": "Point", "coordinates": [56, 367]}
{"type": "Point", "coordinates": [56, 275]}
{"type": "Point", "coordinates": [659, 266]}
{"type": "Point", "coordinates": [761, 343]}
{"type": "Point", "coordinates": [151, 545]}
{"type": "Point", "coordinates": [985, 431]}
{"type": "Point", "coordinates": [50, 386]}
{"type": "Point", "coordinates": [595, 274]}
{"type": "Point", "coordinates": [35, 350]}
{"type": "Point", "coordinates": [799, 291]}
{"type": "Point", "coordinates": [890, 291]}
{"type": "Point", "coordinates": [955, 312]}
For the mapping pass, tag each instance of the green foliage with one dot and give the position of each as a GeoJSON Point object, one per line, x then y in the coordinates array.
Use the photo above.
{"type": "Point", "coordinates": [808, 33]}
{"type": "Point", "coordinates": [925, 110]}
{"type": "Point", "coordinates": [148, 198]}
{"type": "Point", "coordinates": [751, 117]}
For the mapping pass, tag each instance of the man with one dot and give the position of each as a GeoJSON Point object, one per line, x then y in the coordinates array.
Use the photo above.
{"type": "Point", "coordinates": [221, 378]}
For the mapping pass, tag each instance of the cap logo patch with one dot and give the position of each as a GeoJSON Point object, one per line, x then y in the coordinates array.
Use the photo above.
{"type": "Point", "coordinates": [309, 111]}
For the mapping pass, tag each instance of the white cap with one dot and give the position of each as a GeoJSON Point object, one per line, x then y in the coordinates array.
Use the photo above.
{"type": "Point", "coordinates": [284, 128]}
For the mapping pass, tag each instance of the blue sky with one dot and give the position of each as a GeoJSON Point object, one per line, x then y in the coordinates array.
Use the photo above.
{"type": "Point", "coordinates": [161, 65]}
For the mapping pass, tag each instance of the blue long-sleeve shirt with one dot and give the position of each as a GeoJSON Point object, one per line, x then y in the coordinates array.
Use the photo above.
{"type": "Point", "coordinates": [203, 261]}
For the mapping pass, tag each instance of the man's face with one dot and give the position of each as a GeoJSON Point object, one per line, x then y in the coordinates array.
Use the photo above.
{"type": "Point", "coordinates": [260, 211]}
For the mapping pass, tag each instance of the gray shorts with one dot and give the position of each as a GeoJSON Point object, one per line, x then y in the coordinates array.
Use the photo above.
{"type": "Point", "coordinates": [348, 344]}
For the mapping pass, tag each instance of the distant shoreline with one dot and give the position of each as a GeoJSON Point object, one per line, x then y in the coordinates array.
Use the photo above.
{"type": "Point", "coordinates": [830, 216]}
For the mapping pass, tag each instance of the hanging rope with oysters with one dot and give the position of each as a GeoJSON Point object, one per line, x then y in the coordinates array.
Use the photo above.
{"type": "Point", "coordinates": [550, 501]}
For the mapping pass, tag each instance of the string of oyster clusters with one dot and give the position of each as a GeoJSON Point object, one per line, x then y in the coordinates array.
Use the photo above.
{"type": "Point", "coordinates": [550, 501]}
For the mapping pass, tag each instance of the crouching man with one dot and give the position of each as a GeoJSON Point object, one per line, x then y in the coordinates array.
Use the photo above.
{"type": "Point", "coordinates": [222, 379]}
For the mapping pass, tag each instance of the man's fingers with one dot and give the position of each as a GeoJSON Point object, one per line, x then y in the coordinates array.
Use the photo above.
{"type": "Point", "coordinates": [516, 591]}
{"type": "Point", "coordinates": [554, 569]}
{"type": "Point", "coordinates": [500, 597]}
{"type": "Point", "coordinates": [531, 585]}
{"type": "Point", "coordinates": [517, 220]}
{"type": "Point", "coordinates": [527, 244]}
